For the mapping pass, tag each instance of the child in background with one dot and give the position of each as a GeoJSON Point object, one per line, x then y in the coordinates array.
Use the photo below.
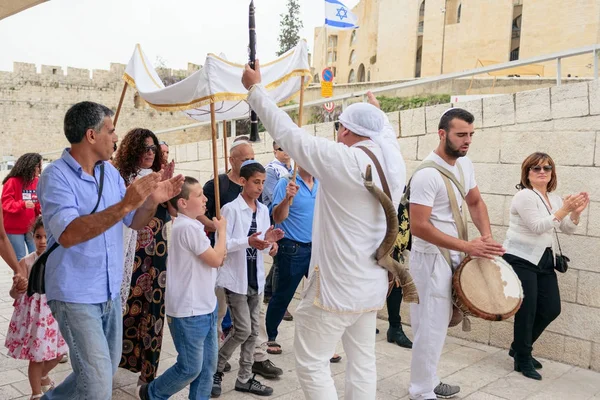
{"type": "Point", "coordinates": [190, 300]}
{"type": "Point", "coordinates": [33, 332]}
{"type": "Point", "coordinates": [249, 233]}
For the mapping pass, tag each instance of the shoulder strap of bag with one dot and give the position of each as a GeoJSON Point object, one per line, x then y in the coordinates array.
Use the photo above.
{"type": "Point", "coordinates": [549, 212]}
{"type": "Point", "coordinates": [432, 164]}
{"type": "Point", "coordinates": [384, 183]}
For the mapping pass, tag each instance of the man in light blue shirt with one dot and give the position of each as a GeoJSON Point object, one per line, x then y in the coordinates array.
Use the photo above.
{"type": "Point", "coordinates": [84, 274]}
{"type": "Point", "coordinates": [293, 256]}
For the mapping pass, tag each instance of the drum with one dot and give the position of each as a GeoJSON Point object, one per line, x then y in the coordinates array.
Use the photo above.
{"type": "Point", "coordinates": [488, 289]}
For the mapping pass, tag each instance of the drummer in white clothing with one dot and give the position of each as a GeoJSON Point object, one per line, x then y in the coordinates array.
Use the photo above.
{"type": "Point", "coordinates": [345, 286]}
{"type": "Point", "coordinates": [432, 225]}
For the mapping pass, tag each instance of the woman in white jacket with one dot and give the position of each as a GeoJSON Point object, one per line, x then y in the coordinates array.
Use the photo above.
{"type": "Point", "coordinates": [535, 213]}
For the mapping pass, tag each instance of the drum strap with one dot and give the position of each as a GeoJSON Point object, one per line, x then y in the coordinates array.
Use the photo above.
{"type": "Point", "coordinates": [460, 219]}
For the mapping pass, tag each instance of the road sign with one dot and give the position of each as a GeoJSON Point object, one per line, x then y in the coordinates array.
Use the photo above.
{"type": "Point", "coordinates": [326, 89]}
{"type": "Point", "coordinates": [327, 75]}
{"type": "Point", "coordinates": [329, 107]}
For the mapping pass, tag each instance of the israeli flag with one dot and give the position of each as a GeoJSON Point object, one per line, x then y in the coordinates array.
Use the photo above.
{"type": "Point", "coordinates": [338, 16]}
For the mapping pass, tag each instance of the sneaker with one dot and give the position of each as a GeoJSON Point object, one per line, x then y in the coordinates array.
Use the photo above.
{"type": "Point", "coordinates": [216, 387]}
{"type": "Point", "coordinates": [227, 367]}
{"type": "Point", "coordinates": [266, 369]}
{"type": "Point", "coordinates": [445, 391]}
{"type": "Point", "coordinates": [143, 392]}
{"type": "Point", "coordinates": [253, 386]}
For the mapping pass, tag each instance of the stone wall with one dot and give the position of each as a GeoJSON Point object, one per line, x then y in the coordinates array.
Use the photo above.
{"type": "Point", "coordinates": [559, 120]}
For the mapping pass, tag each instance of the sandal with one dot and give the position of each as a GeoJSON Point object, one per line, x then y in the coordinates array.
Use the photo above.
{"type": "Point", "coordinates": [48, 387]}
{"type": "Point", "coordinates": [35, 396]}
{"type": "Point", "coordinates": [274, 348]}
{"type": "Point", "coordinates": [335, 359]}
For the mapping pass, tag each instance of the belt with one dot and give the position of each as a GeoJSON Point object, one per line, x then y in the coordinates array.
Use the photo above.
{"type": "Point", "coordinates": [295, 243]}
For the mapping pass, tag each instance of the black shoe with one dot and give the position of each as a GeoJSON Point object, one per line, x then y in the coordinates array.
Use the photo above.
{"type": "Point", "coordinates": [266, 298]}
{"type": "Point", "coordinates": [376, 331]}
{"type": "Point", "coordinates": [287, 316]}
{"type": "Point", "coordinates": [227, 367]}
{"type": "Point", "coordinates": [396, 335]}
{"type": "Point", "coordinates": [216, 387]}
{"type": "Point", "coordinates": [143, 392]}
{"type": "Point", "coordinates": [266, 369]}
{"type": "Point", "coordinates": [524, 365]}
{"type": "Point", "coordinates": [253, 386]}
{"type": "Point", "coordinates": [536, 363]}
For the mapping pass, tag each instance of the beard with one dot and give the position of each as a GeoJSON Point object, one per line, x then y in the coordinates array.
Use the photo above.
{"type": "Point", "coordinates": [453, 151]}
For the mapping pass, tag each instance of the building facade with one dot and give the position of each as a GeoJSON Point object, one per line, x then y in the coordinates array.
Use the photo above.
{"type": "Point", "coordinates": [400, 39]}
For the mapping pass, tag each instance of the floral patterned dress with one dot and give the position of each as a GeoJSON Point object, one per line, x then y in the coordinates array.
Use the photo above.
{"type": "Point", "coordinates": [144, 316]}
{"type": "Point", "coordinates": [33, 332]}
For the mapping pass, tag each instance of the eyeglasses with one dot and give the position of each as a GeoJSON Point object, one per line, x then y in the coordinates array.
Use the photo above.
{"type": "Point", "coordinates": [163, 142]}
{"type": "Point", "coordinates": [538, 168]}
{"type": "Point", "coordinates": [336, 125]}
{"type": "Point", "coordinates": [150, 149]}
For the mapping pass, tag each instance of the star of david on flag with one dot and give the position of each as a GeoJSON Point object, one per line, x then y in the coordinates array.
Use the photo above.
{"type": "Point", "coordinates": [338, 16]}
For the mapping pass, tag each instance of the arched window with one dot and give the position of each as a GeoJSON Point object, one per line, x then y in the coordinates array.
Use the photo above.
{"type": "Point", "coordinates": [458, 13]}
{"type": "Point", "coordinates": [420, 27]}
{"type": "Point", "coordinates": [418, 62]}
{"type": "Point", "coordinates": [316, 78]}
{"type": "Point", "coordinates": [353, 37]}
{"type": "Point", "coordinates": [351, 76]}
{"type": "Point", "coordinates": [422, 9]}
{"type": "Point", "coordinates": [352, 57]}
{"type": "Point", "coordinates": [361, 73]}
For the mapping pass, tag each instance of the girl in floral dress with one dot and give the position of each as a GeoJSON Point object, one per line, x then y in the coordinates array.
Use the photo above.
{"type": "Point", "coordinates": [33, 332]}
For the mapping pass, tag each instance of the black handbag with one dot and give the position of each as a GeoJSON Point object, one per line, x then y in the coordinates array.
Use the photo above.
{"type": "Point", "coordinates": [37, 282]}
{"type": "Point", "coordinates": [561, 262]}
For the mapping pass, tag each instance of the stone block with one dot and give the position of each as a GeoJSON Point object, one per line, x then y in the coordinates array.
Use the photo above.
{"type": "Point", "coordinates": [550, 345]}
{"type": "Point", "coordinates": [577, 321]}
{"type": "Point", "coordinates": [485, 147]}
{"type": "Point", "coordinates": [584, 251]}
{"type": "Point", "coordinates": [475, 107]}
{"type": "Point", "coordinates": [533, 105]}
{"type": "Point", "coordinates": [181, 153]}
{"type": "Point", "coordinates": [324, 130]}
{"type": "Point", "coordinates": [499, 110]}
{"type": "Point", "coordinates": [408, 147]}
{"type": "Point", "coordinates": [593, 226]}
{"type": "Point", "coordinates": [412, 122]}
{"type": "Point", "coordinates": [570, 100]}
{"type": "Point", "coordinates": [501, 334]}
{"type": "Point", "coordinates": [577, 179]}
{"type": "Point", "coordinates": [597, 157]}
{"type": "Point", "coordinates": [497, 178]}
{"type": "Point", "coordinates": [594, 90]}
{"type": "Point", "coordinates": [532, 127]}
{"type": "Point", "coordinates": [595, 361]}
{"type": "Point", "coordinates": [192, 151]}
{"type": "Point", "coordinates": [433, 115]}
{"type": "Point", "coordinates": [394, 118]}
{"type": "Point", "coordinates": [480, 331]}
{"type": "Point", "coordinates": [204, 150]}
{"type": "Point", "coordinates": [427, 144]}
{"type": "Point", "coordinates": [577, 352]}
{"type": "Point", "coordinates": [588, 293]}
{"type": "Point", "coordinates": [567, 284]}
{"type": "Point", "coordinates": [410, 168]}
{"type": "Point", "coordinates": [586, 123]}
{"type": "Point", "coordinates": [495, 206]}
{"type": "Point", "coordinates": [566, 148]}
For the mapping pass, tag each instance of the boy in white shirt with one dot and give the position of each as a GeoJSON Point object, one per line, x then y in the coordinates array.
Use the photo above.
{"type": "Point", "coordinates": [249, 233]}
{"type": "Point", "coordinates": [190, 299]}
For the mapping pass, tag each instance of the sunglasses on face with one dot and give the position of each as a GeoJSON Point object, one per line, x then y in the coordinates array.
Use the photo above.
{"type": "Point", "coordinates": [150, 149]}
{"type": "Point", "coordinates": [539, 168]}
{"type": "Point", "coordinates": [336, 125]}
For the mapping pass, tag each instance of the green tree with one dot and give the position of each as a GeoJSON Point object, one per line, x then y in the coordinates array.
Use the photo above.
{"type": "Point", "coordinates": [290, 26]}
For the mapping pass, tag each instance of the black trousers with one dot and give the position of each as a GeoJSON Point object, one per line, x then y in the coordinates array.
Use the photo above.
{"type": "Point", "coordinates": [541, 302]}
{"type": "Point", "coordinates": [393, 307]}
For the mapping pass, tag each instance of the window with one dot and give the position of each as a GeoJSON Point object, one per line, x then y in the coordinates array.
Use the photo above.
{"type": "Point", "coordinates": [420, 28]}
{"type": "Point", "coordinates": [361, 73]}
{"type": "Point", "coordinates": [514, 55]}
{"type": "Point", "coordinates": [316, 78]}
{"type": "Point", "coordinates": [333, 41]}
{"type": "Point", "coordinates": [352, 59]}
{"type": "Point", "coordinates": [334, 72]}
{"type": "Point", "coordinates": [331, 57]}
{"type": "Point", "coordinates": [458, 13]}
{"type": "Point", "coordinates": [353, 37]}
{"type": "Point", "coordinates": [422, 9]}
{"type": "Point", "coordinates": [418, 62]}
{"type": "Point", "coordinates": [351, 76]}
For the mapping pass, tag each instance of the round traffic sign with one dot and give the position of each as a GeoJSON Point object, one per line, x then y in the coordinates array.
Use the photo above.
{"type": "Point", "coordinates": [327, 75]}
{"type": "Point", "coordinates": [329, 106]}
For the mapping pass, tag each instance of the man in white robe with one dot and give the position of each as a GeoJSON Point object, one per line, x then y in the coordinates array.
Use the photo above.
{"type": "Point", "coordinates": [345, 286]}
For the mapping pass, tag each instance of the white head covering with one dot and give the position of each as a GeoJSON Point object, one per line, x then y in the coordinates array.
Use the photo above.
{"type": "Point", "coordinates": [367, 120]}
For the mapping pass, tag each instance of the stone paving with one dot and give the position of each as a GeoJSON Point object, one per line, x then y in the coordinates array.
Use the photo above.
{"type": "Point", "coordinates": [483, 372]}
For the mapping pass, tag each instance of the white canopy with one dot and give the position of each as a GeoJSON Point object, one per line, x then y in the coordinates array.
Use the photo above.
{"type": "Point", "coordinates": [10, 7]}
{"type": "Point", "coordinates": [219, 82]}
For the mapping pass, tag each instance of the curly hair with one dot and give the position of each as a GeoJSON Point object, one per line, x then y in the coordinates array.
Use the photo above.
{"type": "Point", "coordinates": [37, 224]}
{"type": "Point", "coordinates": [25, 168]}
{"type": "Point", "coordinates": [132, 149]}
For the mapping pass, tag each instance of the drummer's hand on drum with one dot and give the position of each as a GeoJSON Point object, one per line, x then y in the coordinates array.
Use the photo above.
{"type": "Point", "coordinates": [485, 247]}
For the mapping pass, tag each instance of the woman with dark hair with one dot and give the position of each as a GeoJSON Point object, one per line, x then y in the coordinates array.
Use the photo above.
{"type": "Point", "coordinates": [536, 212]}
{"type": "Point", "coordinates": [145, 268]}
{"type": "Point", "coordinates": [20, 203]}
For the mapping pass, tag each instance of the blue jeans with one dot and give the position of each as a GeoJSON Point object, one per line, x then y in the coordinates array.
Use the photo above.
{"type": "Point", "coordinates": [293, 260]}
{"type": "Point", "coordinates": [94, 333]}
{"type": "Point", "coordinates": [23, 244]}
{"type": "Point", "coordinates": [195, 340]}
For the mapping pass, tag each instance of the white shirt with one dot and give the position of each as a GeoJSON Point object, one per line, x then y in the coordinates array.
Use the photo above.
{"type": "Point", "coordinates": [427, 188]}
{"type": "Point", "coordinates": [349, 223]}
{"type": "Point", "coordinates": [531, 226]}
{"type": "Point", "coordinates": [233, 275]}
{"type": "Point", "coordinates": [190, 287]}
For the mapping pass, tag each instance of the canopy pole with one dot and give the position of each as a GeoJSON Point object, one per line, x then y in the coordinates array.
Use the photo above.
{"type": "Point", "coordinates": [299, 122]}
{"type": "Point", "coordinates": [213, 124]}
{"type": "Point", "coordinates": [116, 118]}
{"type": "Point", "coordinates": [225, 146]}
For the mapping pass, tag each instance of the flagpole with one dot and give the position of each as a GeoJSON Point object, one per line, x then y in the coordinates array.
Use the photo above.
{"type": "Point", "coordinates": [116, 118]}
{"type": "Point", "coordinates": [213, 125]}
{"type": "Point", "coordinates": [225, 145]}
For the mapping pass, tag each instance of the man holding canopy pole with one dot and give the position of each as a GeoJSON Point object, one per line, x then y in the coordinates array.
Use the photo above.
{"type": "Point", "coordinates": [345, 286]}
